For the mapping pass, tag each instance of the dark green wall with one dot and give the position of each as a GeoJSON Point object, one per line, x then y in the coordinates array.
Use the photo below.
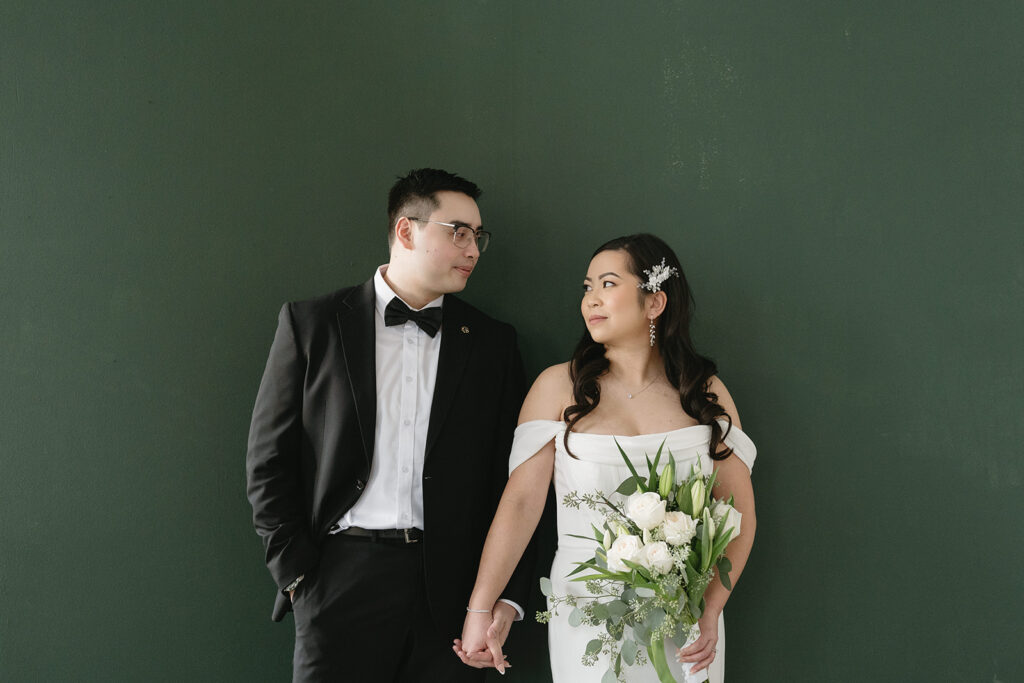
{"type": "Point", "coordinates": [843, 182]}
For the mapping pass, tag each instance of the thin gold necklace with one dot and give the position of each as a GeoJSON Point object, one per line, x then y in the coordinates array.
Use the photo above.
{"type": "Point", "coordinates": [630, 394]}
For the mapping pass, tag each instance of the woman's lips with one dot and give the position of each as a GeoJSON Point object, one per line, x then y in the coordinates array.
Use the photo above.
{"type": "Point", "coordinates": [464, 270]}
{"type": "Point", "coordinates": [596, 319]}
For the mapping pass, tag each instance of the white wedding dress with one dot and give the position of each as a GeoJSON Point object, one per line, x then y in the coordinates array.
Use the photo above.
{"type": "Point", "coordinates": [600, 467]}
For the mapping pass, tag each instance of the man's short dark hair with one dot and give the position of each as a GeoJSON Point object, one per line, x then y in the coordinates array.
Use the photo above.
{"type": "Point", "coordinates": [415, 194]}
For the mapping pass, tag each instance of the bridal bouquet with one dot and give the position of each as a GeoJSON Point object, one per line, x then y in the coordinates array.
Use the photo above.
{"type": "Point", "coordinates": [656, 554]}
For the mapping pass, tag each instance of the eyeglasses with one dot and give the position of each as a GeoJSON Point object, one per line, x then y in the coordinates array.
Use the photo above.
{"type": "Point", "coordinates": [462, 235]}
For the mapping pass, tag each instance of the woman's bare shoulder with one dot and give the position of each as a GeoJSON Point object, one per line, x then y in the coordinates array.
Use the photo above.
{"type": "Point", "coordinates": [717, 387]}
{"type": "Point", "coordinates": [550, 394]}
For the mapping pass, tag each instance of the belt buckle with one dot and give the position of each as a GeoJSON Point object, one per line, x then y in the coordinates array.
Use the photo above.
{"type": "Point", "coordinates": [407, 539]}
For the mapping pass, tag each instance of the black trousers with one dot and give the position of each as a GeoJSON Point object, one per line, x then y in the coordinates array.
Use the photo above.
{"type": "Point", "coordinates": [363, 616]}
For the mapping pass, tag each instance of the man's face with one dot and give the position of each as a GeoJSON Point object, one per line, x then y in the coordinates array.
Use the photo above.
{"type": "Point", "coordinates": [437, 264]}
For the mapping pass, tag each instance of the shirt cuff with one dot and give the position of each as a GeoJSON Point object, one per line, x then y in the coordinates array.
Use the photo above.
{"type": "Point", "coordinates": [519, 610]}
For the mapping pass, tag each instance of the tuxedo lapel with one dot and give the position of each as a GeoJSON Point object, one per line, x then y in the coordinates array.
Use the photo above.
{"type": "Point", "coordinates": [456, 343]}
{"type": "Point", "coordinates": [355, 324]}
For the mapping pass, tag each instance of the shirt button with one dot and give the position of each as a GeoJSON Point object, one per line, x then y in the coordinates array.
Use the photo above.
{"type": "Point", "coordinates": [410, 340]}
{"type": "Point", "coordinates": [405, 469]}
{"type": "Point", "coordinates": [407, 423]}
{"type": "Point", "coordinates": [408, 379]}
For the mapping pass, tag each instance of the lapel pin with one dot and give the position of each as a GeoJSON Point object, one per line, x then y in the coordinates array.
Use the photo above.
{"type": "Point", "coordinates": [465, 330]}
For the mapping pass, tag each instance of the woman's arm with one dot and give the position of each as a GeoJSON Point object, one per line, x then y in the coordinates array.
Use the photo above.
{"type": "Point", "coordinates": [733, 480]}
{"type": "Point", "coordinates": [516, 519]}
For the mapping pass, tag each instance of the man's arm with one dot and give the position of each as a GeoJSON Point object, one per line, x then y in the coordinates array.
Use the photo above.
{"type": "Point", "coordinates": [272, 461]}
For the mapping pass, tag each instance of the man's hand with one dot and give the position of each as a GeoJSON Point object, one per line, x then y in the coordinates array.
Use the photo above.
{"type": "Point", "coordinates": [483, 635]}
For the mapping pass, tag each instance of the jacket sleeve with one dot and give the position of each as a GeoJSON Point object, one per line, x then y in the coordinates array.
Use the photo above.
{"type": "Point", "coordinates": [520, 584]}
{"type": "Point", "coordinates": [273, 474]}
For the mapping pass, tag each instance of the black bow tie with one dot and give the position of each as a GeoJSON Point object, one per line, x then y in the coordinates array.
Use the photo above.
{"type": "Point", "coordinates": [429, 319]}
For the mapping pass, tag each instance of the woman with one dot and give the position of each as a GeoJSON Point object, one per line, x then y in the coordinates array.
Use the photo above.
{"type": "Point", "coordinates": [634, 376]}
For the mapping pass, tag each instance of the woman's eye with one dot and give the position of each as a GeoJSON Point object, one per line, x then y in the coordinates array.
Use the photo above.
{"type": "Point", "coordinates": [607, 283]}
{"type": "Point", "coordinates": [586, 288]}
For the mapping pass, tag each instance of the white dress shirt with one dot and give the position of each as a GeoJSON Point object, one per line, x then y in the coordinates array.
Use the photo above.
{"type": "Point", "coordinates": [406, 362]}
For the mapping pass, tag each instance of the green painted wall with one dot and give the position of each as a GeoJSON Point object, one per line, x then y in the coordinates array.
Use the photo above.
{"type": "Point", "coordinates": [843, 182]}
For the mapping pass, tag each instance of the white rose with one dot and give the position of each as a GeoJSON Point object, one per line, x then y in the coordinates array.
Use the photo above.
{"type": "Point", "coordinates": [625, 547]}
{"type": "Point", "coordinates": [646, 509]}
{"type": "Point", "coordinates": [679, 528]}
{"type": "Point", "coordinates": [657, 557]}
{"type": "Point", "coordinates": [726, 517]}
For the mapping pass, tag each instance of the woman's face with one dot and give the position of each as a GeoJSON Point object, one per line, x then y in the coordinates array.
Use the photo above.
{"type": "Point", "coordinates": [611, 305]}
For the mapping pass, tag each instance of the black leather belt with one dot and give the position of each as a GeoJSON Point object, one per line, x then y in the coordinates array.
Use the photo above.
{"type": "Point", "coordinates": [387, 535]}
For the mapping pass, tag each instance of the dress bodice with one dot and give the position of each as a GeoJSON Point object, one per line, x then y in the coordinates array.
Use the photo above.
{"type": "Point", "coordinates": [598, 464]}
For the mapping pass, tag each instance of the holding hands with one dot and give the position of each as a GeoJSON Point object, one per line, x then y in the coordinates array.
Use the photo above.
{"type": "Point", "coordinates": [483, 634]}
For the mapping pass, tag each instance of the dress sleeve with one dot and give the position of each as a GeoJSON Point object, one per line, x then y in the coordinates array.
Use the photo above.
{"type": "Point", "coordinates": [529, 438]}
{"type": "Point", "coordinates": [740, 444]}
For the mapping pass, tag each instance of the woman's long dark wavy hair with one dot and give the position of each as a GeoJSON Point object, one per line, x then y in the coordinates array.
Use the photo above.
{"type": "Point", "coordinates": [688, 371]}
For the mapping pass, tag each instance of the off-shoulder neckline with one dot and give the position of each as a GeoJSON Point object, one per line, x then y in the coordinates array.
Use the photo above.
{"type": "Point", "coordinates": [624, 436]}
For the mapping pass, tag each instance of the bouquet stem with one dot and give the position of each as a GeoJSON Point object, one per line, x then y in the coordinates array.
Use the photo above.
{"type": "Point", "coordinates": [656, 653]}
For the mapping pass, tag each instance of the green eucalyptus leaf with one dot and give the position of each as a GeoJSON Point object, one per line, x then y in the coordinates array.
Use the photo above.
{"type": "Point", "coordinates": [594, 646]}
{"type": "Point", "coordinates": [609, 677]}
{"type": "Point", "coordinates": [655, 618]}
{"type": "Point", "coordinates": [545, 586]}
{"type": "Point", "coordinates": [617, 608]}
{"type": "Point", "coordinates": [679, 636]}
{"type": "Point", "coordinates": [576, 617]}
{"type": "Point", "coordinates": [600, 611]}
{"type": "Point", "coordinates": [614, 629]}
{"type": "Point", "coordinates": [628, 595]}
{"type": "Point", "coordinates": [642, 634]}
{"type": "Point", "coordinates": [644, 592]}
{"type": "Point", "coordinates": [629, 650]}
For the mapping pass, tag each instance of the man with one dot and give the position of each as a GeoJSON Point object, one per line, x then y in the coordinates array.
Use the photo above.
{"type": "Point", "coordinates": [379, 449]}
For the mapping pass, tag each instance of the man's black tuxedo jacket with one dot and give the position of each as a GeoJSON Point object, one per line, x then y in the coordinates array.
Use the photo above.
{"type": "Point", "coordinates": [311, 440]}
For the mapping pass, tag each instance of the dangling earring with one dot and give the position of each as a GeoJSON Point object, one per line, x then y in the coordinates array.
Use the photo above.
{"type": "Point", "coordinates": [652, 332]}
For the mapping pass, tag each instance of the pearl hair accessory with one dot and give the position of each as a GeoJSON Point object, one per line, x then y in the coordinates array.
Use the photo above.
{"type": "Point", "coordinates": [656, 275]}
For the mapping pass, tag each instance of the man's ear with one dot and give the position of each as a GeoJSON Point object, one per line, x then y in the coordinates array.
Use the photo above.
{"type": "Point", "coordinates": [404, 233]}
{"type": "Point", "coordinates": [656, 304]}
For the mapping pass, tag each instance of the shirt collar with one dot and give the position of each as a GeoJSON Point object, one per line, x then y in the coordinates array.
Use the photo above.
{"type": "Point", "coordinates": [385, 294]}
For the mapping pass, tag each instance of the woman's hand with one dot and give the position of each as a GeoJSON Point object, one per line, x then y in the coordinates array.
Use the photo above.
{"type": "Point", "coordinates": [483, 635]}
{"type": "Point", "coordinates": [703, 650]}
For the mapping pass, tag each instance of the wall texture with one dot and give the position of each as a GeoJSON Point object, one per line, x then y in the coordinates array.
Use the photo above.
{"type": "Point", "coordinates": [843, 182]}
